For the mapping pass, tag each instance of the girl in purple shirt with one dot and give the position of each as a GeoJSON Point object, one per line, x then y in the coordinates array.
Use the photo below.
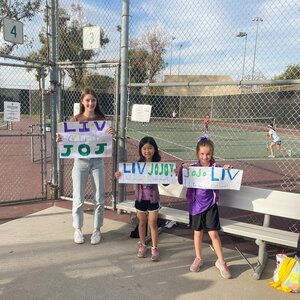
{"type": "Point", "coordinates": [147, 200]}
{"type": "Point", "coordinates": [203, 209]}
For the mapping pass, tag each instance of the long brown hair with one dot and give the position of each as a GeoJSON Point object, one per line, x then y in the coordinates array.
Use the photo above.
{"type": "Point", "coordinates": [206, 141]}
{"type": "Point", "coordinates": [89, 91]}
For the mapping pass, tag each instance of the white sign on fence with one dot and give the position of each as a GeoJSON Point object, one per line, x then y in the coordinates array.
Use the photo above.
{"type": "Point", "coordinates": [91, 37]}
{"type": "Point", "coordinates": [76, 109]}
{"type": "Point", "coordinates": [12, 111]}
{"type": "Point", "coordinates": [147, 173]}
{"type": "Point", "coordinates": [13, 31]}
{"type": "Point", "coordinates": [141, 113]}
{"type": "Point", "coordinates": [85, 139]}
{"type": "Point", "coordinates": [212, 178]}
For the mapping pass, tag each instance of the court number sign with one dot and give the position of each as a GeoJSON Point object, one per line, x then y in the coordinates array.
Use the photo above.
{"type": "Point", "coordinates": [91, 37]}
{"type": "Point", "coordinates": [13, 31]}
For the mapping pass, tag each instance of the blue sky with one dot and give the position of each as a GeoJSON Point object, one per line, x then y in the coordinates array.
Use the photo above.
{"type": "Point", "coordinates": [204, 31]}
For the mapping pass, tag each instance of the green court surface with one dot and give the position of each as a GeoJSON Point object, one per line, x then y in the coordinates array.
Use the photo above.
{"type": "Point", "coordinates": [235, 141]}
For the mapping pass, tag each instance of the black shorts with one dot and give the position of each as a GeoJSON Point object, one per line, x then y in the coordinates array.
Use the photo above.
{"type": "Point", "coordinates": [208, 220]}
{"type": "Point", "coordinates": [146, 205]}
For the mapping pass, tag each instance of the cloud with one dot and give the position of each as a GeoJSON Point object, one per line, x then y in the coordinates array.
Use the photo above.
{"type": "Point", "coordinates": [204, 30]}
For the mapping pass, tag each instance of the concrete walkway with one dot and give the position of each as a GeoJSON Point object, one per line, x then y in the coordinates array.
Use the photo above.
{"type": "Point", "coordinates": [38, 260]}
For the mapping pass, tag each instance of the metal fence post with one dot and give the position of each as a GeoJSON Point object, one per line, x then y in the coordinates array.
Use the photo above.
{"type": "Point", "coordinates": [123, 89]}
{"type": "Point", "coordinates": [54, 95]}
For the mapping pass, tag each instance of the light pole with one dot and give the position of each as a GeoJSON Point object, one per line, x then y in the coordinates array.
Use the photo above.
{"type": "Point", "coordinates": [243, 34]}
{"type": "Point", "coordinates": [179, 58]}
{"type": "Point", "coordinates": [257, 20]}
{"type": "Point", "coordinates": [173, 38]}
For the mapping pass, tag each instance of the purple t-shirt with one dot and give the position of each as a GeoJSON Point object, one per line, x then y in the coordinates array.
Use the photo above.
{"type": "Point", "coordinates": [147, 192]}
{"type": "Point", "coordinates": [200, 200]}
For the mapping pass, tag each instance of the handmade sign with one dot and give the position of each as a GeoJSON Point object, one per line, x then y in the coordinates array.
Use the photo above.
{"type": "Point", "coordinates": [86, 139]}
{"type": "Point", "coordinates": [212, 178]}
{"type": "Point", "coordinates": [147, 173]}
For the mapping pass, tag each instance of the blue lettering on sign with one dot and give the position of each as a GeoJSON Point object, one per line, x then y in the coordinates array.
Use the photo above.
{"type": "Point", "coordinates": [84, 127]}
{"type": "Point", "coordinates": [100, 128]}
{"type": "Point", "coordinates": [125, 170]}
{"type": "Point", "coordinates": [213, 175]}
{"type": "Point", "coordinates": [214, 178]}
{"type": "Point", "coordinates": [155, 169]}
{"type": "Point", "coordinates": [229, 174]}
{"type": "Point", "coordinates": [141, 171]}
{"type": "Point", "coordinates": [66, 128]}
{"type": "Point", "coordinates": [140, 167]}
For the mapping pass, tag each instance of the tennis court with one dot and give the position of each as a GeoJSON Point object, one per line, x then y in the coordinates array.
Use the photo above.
{"type": "Point", "coordinates": [242, 139]}
{"type": "Point", "coordinates": [240, 142]}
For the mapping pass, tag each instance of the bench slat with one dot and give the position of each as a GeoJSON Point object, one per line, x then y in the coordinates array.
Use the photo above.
{"type": "Point", "coordinates": [270, 202]}
{"type": "Point", "coordinates": [267, 234]}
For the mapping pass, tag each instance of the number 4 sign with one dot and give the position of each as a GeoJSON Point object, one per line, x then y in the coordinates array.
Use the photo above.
{"type": "Point", "coordinates": [13, 31]}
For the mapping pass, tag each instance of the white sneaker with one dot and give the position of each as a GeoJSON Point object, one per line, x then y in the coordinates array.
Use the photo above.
{"type": "Point", "coordinates": [271, 156]}
{"type": "Point", "coordinates": [96, 237]}
{"type": "Point", "coordinates": [170, 224]}
{"type": "Point", "coordinates": [78, 236]}
{"type": "Point", "coordinates": [289, 152]}
{"type": "Point", "coordinates": [224, 270]}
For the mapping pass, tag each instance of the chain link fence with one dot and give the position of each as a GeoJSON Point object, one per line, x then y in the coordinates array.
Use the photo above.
{"type": "Point", "coordinates": [23, 144]}
{"type": "Point", "coordinates": [236, 63]}
{"type": "Point", "coordinates": [232, 62]}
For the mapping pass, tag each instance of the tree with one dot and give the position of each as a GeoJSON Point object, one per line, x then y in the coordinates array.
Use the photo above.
{"type": "Point", "coordinates": [20, 11]}
{"type": "Point", "coordinates": [99, 83]}
{"type": "Point", "coordinates": [146, 56]}
{"type": "Point", "coordinates": [69, 43]}
{"type": "Point", "coordinates": [292, 71]}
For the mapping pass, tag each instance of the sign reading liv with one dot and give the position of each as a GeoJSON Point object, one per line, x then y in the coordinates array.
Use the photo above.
{"type": "Point", "coordinates": [212, 178]}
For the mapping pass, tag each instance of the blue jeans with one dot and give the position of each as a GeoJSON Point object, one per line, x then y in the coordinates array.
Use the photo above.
{"type": "Point", "coordinates": [81, 170]}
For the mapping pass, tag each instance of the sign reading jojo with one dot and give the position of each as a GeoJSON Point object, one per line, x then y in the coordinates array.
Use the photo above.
{"type": "Point", "coordinates": [212, 178]}
{"type": "Point", "coordinates": [85, 139]}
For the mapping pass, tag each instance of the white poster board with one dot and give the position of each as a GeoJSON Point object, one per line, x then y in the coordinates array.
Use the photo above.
{"type": "Point", "coordinates": [147, 173]}
{"type": "Point", "coordinates": [141, 113]}
{"type": "Point", "coordinates": [88, 139]}
{"type": "Point", "coordinates": [212, 178]}
{"type": "Point", "coordinates": [12, 111]}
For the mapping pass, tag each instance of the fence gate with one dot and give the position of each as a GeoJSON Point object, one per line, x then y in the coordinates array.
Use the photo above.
{"type": "Point", "coordinates": [22, 143]}
{"type": "Point", "coordinates": [103, 79]}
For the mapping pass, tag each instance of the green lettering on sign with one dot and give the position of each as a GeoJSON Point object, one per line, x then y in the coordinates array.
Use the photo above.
{"type": "Point", "coordinates": [14, 31]}
{"type": "Point", "coordinates": [91, 39]}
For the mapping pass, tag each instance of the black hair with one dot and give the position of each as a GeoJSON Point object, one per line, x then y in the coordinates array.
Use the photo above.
{"type": "Point", "coordinates": [149, 140]}
{"type": "Point", "coordinates": [271, 125]}
{"type": "Point", "coordinates": [206, 141]}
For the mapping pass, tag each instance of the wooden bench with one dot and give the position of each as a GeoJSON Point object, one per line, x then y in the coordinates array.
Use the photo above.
{"type": "Point", "coordinates": [254, 200]}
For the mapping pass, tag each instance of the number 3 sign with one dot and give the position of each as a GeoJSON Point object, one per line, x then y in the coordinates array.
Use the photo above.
{"type": "Point", "coordinates": [91, 37]}
{"type": "Point", "coordinates": [13, 31]}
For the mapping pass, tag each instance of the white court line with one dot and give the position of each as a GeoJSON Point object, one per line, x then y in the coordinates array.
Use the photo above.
{"type": "Point", "coordinates": [178, 145]}
{"type": "Point", "coordinates": [216, 157]}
